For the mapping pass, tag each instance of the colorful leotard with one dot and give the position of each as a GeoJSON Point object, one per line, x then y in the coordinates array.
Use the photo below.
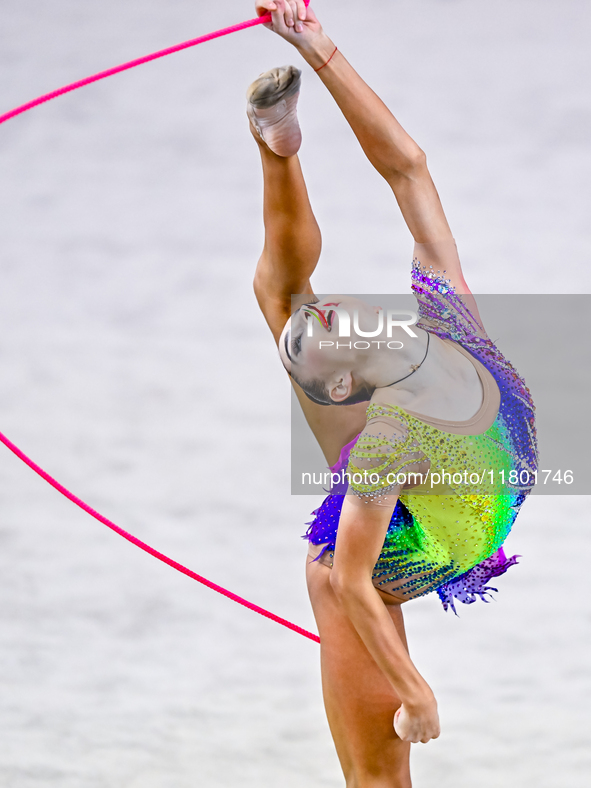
{"type": "Point", "coordinates": [446, 534]}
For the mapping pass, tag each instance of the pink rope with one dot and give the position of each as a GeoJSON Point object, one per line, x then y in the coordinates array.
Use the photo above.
{"type": "Point", "coordinates": [146, 547]}
{"type": "Point", "coordinates": [21, 455]}
{"type": "Point", "coordinates": [133, 63]}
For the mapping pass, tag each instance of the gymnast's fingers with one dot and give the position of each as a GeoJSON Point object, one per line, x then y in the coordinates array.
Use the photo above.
{"type": "Point", "coordinates": [276, 7]}
{"type": "Point", "coordinates": [263, 7]}
{"type": "Point", "coordinates": [279, 15]}
{"type": "Point", "coordinates": [290, 12]}
{"type": "Point", "coordinates": [302, 12]}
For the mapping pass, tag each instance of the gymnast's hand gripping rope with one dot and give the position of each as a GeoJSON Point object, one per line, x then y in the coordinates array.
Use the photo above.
{"type": "Point", "coordinates": [21, 455]}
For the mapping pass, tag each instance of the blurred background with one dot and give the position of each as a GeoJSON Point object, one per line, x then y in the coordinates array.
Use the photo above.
{"type": "Point", "coordinates": [136, 368]}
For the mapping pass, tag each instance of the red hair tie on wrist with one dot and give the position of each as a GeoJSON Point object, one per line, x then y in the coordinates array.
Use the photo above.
{"type": "Point", "coordinates": [328, 61]}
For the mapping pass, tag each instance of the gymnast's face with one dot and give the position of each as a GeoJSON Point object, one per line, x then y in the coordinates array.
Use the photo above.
{"type": "Point", "coordinates": [322, 358]}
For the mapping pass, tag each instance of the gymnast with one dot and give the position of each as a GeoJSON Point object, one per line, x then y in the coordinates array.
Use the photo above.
{"type": "Point", "coordinates": [395, 420]}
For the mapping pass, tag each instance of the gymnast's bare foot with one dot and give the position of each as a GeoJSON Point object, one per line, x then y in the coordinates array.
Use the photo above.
{"type": "Point", "coordinates": [272, 104]}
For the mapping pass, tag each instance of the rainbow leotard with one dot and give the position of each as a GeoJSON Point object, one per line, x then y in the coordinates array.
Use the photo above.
{"type": "Point", "coordinates": [447, 534]}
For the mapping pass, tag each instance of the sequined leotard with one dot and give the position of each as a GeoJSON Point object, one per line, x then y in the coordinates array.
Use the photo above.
{"type": "Point", "coordinates": [446, 534]}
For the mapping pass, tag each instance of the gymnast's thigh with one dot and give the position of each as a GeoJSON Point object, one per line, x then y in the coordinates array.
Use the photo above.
{"type": "Point", "coordinates": [360, 702]}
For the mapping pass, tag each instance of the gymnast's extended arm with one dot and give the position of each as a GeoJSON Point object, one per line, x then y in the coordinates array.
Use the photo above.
{"type": "Point", "coordinates": [389, 148]}
{"type": "Point", "coordinates": [361, 534]}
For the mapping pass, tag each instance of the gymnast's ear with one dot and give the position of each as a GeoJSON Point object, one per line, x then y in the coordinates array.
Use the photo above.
{"type": "Point", "coordinates": [341, 388]}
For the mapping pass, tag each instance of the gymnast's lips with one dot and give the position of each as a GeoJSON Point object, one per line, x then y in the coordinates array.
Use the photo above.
{"type": "Point", "coordinates": [330, 314]}
{"type": "Point", "coordinates": [323, 315]}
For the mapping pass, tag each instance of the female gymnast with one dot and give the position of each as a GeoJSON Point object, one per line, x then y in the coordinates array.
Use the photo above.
{"type": "Point", "coordinates": [448, 400]}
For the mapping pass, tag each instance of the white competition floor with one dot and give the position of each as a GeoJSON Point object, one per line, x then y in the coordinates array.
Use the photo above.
{"type": "Point", "coordinates": [135, 366]}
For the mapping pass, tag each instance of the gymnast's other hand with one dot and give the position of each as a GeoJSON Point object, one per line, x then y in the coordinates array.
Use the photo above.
{"type": "Point", "coordinates": [417, 722]}
{"type": "Point", "coordinates": [297, 24]}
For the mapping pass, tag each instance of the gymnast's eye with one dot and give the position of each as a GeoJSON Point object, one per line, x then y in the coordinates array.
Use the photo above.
{"type": "Point", "coordinates": [296, 345]}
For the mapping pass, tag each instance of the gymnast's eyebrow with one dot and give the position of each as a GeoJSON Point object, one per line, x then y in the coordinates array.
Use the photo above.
{"type": "Point", "coordinates": [287, 340]}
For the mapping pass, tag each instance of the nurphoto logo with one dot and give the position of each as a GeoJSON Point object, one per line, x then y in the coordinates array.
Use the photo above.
{"type": "Point", "coordinates": [391, 320]}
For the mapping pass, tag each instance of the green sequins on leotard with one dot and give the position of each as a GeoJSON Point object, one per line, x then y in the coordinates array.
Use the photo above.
{"type": "Point", "coordinates": [460, 515]}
